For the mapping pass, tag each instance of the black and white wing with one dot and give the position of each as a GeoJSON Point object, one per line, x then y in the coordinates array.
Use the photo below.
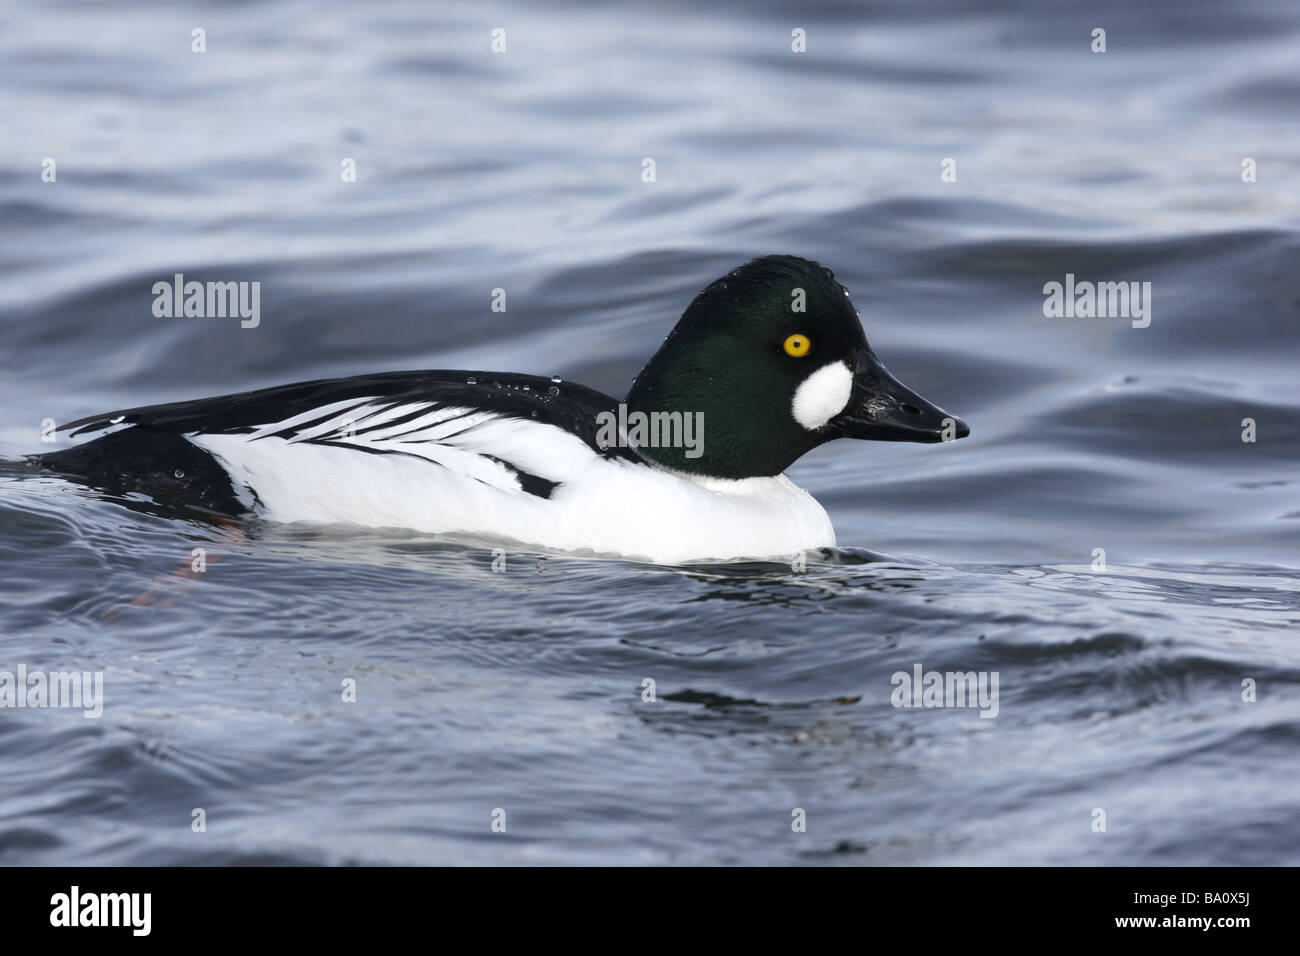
{"type": "Point", "coordinates": [513, 432]}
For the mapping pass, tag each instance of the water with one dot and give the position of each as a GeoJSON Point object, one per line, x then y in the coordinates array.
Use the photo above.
{"type": "Point", "coordinates": [521, 689]}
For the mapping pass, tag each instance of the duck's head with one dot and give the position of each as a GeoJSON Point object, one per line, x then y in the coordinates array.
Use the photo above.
{"type": "Point", "coordinates": [775, 359]}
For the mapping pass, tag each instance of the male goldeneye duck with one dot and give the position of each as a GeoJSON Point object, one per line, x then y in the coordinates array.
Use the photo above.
{"type": "Point", "coordinates": [767, 363]}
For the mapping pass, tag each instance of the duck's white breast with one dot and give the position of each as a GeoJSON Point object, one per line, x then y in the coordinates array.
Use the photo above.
{"type": "Point", "coordinates": [600, 505]}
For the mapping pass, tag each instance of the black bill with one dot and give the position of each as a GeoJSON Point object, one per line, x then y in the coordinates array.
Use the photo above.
{"type": "Point", "coordinates": [882, 408]}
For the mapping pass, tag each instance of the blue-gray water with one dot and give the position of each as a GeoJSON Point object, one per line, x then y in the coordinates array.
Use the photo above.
{"type": "Point", "coordinates": [1120, 690]}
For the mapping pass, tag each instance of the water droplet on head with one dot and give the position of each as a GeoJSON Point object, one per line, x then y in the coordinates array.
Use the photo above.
{"type": "Point", "coordinates": [471, 380]}
{"type": "Point", "coordinates": [553, 390]}
{"type": "Point", "coordinates": [525, 388]}
{"type": "Point", "coordinates": [555, 380]}
{"type": "Point", "coordinates": [178, 473]}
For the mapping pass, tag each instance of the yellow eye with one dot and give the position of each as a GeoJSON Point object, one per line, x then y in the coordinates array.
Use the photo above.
{"type": "Point", "coordinates": [797, 345]}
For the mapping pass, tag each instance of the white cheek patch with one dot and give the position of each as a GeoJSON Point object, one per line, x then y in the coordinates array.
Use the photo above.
{"type": "Point", "coordinates": [822, 395]}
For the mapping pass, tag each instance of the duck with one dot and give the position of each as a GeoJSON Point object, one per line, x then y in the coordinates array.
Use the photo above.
{"type": "Point", "coordinates": [765, 364]}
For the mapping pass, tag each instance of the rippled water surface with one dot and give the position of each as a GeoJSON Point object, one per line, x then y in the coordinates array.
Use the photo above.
{"type": "Point", "coordinates": [521, 688]}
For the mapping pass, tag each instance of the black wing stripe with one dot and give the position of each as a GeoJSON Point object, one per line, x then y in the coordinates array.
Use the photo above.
{"type": "Point", "coordinates": [290, 430]}
{"type": "Point", "coordinates": [410, 416]}
{"type": "Point", "coordinates": [528, 482]}
{"type": "Point", "coordinates": [533, 484]}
